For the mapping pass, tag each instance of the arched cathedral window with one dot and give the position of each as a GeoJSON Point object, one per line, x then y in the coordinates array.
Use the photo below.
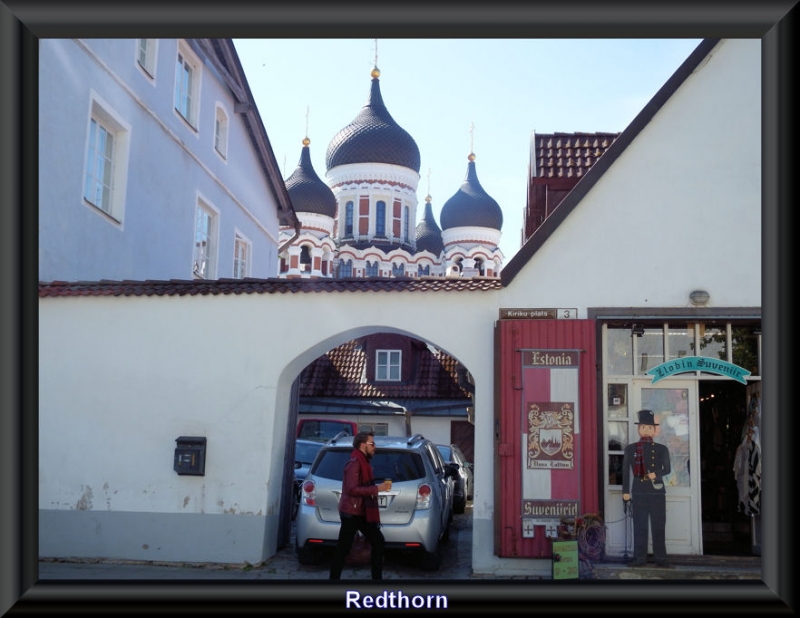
{"type": "Point", "coordinates": [348, 219]}
{"type": "Point", "coordinates": [380, 218]}
{"type": "Point", "coordinates": [345, 269]}
{"type": "Point", "coordinates": [305, 257]}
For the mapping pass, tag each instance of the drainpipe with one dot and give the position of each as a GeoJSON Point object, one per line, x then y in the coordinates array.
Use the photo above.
{"type": "Point", "coordinates": [297, 227]}
{"type": "Point", "coordinates": [407, 414]}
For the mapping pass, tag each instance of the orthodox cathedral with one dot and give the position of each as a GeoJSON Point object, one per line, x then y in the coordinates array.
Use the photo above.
{"type": "Point", "coordinates": [360, 223]}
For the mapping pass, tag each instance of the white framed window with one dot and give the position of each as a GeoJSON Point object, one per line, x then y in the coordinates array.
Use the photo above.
{"type": "Point", "coordinates": [387, 365]}
{"type": "Point", "coordinates": [187, 84]}
{"type": "Point", "coordinates": [242, 248]}
{"type": "Point", "coordinates": [221, 131]}
{"type": "Point", "coordinates": [205, 242]}
{"type": "Point", "coordinates": [106, 167]}
{"type": "Point", "coordinates": [146, 55]}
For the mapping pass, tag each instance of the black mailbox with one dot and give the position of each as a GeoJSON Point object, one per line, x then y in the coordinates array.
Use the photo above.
{"type": "Point", "coordinates": [190, 455]}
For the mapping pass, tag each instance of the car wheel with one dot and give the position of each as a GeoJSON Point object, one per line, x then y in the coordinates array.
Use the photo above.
{"type": "Point", "coordinates": [308, 556]}
{"type": "Point", "coordinates": [431, 560]}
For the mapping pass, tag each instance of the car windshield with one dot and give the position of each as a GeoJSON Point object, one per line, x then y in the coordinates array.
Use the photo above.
{"type": "Point", "coordinates": [305, 453]}
{"type": "Point", "coordinates": [315, 430]}
{"type": "Point", "coordinates": [397, 465]}
{"type": "Point", "coordinates": [445, 451]}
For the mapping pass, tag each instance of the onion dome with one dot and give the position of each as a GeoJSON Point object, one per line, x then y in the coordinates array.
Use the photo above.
{"type": "Point", "coordinates": [471, 206]}
{"type": "Point", "coordinates": [429, 236]}
{"type": "Point", "coordinates": [373, 137]}
{"type": "Point", "coordinates": [306, 190]}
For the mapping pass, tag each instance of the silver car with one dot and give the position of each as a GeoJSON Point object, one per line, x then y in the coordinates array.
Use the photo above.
{"type": "Point", "coordinates": [452, 454]}
{"type": "Point", "coordinates": [415, 514]}
{"type": "Point", "coordinates": [304, 453]}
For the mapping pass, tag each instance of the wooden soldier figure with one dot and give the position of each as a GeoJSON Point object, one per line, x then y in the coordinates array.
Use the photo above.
{"type": "Point", "coordinates": [644, 465]}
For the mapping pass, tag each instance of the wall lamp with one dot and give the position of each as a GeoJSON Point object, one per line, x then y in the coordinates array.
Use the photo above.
{"type": "Point", "coordinates": [637, 329]}
{"type": "Point", "coordinates": [699, 297]}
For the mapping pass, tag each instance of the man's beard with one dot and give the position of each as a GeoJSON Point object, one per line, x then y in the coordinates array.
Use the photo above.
{"type": "Point", "coordinates": [368, 456]}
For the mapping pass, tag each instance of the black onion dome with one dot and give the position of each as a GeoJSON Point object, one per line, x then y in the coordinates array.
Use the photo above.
{"type": "Point", "coordinates": [307, 191]}
{"type": "Point", "coordinates": [429, 236]}
{"type": "Point", "coordinates": [373, 137]}
{"type": "Point", "coordinates": [471, 205]}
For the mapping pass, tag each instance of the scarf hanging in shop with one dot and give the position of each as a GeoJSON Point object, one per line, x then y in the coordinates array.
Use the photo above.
{"type": "Point", "coordinates": [639, 469]}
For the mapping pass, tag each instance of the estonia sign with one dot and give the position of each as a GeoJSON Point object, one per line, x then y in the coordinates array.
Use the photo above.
{"type": "Point", "coordinates": [698, 363]}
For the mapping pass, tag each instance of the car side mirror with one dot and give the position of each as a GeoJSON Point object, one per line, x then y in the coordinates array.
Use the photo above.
{"type": "Point", "coordinates": [451, 470]}
{"type": "Point", "coordinates": [297, 465]}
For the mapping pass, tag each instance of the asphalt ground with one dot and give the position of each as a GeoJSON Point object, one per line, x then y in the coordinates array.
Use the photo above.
{"type": "Point", "coordinates": [456, 565]}
{"type": "Point", "coordinates": [281, 585]}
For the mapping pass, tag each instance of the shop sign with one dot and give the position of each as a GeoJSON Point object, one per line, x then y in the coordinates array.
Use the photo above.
{"type": "Point", "coordinates": [551, 358]}
{"type": "Point", "coordinates": [565, 560]}
{"type": "Point", "coordinates": [541, 510]}
{"type": "Point", "coordinates": [539, 314]}
{"type": "Point", "coordinates": [698, 363]}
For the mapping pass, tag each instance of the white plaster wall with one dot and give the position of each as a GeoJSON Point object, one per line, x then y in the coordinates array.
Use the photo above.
{"type": "Point", "coordinates": [122, 377]}
{"type": "Point", "coordinates": [435, 428]}
{"type": "Point", "coordinates": [680, 210]}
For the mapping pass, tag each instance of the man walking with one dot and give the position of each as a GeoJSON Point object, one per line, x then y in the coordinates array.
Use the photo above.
{"type": "Point", "coordinates": [644, 465]}
{"type": "Point", "coordinates": [358, 507]}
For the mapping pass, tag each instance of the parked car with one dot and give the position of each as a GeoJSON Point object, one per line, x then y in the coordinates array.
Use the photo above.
{"type": "Point", "coordinates": [323, 429]}
{"type": "Point", "coordinates": [415, 514]}
{"type": "Point", "coordinates": [304, 453]}
{"type": "Point", "coordinates": [452, 454]}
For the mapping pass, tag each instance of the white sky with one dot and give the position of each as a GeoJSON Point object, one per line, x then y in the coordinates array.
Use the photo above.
{"type": "Point", "coordinates": [436, 88]}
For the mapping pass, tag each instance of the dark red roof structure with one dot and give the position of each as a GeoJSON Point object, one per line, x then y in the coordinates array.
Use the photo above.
{"type": "Point", "coordinates": [558, 162]}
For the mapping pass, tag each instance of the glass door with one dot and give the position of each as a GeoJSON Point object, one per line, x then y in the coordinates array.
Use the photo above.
{"type": "Point", "coordinates": [674, 402]}
{"type": "Point", "coordinates": [675, 406]}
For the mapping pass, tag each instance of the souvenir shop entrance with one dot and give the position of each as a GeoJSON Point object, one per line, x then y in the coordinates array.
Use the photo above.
{"type": "Point", "coordinates": [730, 508]}
{"type": "Point", "coordinates": [709, 420]}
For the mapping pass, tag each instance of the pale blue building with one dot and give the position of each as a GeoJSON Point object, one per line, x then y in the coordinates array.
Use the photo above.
{"type": "Point", "coordinates": [154, 163]}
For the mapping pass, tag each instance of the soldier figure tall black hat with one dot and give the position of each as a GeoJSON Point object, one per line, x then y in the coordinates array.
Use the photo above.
{"type": "Point", "coordinates": [644, 466]}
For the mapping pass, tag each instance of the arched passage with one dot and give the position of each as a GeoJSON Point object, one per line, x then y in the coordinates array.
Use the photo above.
{"type": "Point", "coordinates": [440, 408]}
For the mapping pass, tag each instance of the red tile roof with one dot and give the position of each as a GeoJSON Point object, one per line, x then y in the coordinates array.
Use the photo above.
{"type": "Point", "coordinates": [341, 372]}
{"type": "Point", "coordinates": [569, 155]}
{"type": "Point", "coordinates": [177, 287]}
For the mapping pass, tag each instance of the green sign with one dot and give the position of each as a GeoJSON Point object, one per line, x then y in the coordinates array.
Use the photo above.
{"type": "Point", "coordinates": [698, 363]}
{"type": "Point", "coordinates": [565, 560]}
